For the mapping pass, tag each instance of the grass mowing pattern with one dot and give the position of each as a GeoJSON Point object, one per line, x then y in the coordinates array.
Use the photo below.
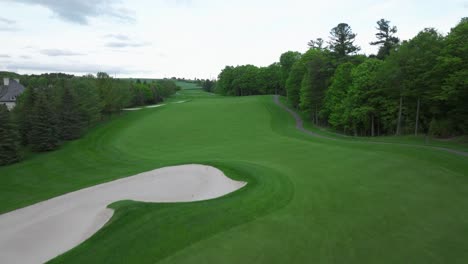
{"type": "Point", "coordinates": [308, 199]}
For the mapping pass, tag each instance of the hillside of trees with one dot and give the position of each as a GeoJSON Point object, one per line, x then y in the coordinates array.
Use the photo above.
{"type": "Point", "coordinates": [58, 107]}
{"type": "Point", "coordinates": [409, 87]}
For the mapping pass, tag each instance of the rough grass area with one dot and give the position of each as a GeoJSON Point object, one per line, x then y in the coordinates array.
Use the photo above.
{"type": "Point", "coordinates": [308, 200]}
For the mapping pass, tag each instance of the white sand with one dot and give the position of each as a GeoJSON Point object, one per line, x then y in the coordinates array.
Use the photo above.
{"type": "Point", "coordinates": [132, 109]}
{"type": "Point", "coordinates": [154, 106]}
{"type": "Point", "coordinates": [40, 232]}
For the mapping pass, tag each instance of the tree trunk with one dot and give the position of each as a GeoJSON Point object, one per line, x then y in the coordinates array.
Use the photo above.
{"type": "Point", "coordinates": [316, 116]}
{"type": "Point", "coordinates": [417, 117]}
{"type": "Point", "coordinates": [372, 126]}
{"type": "Point", "coordinates": [398, 131]}
{"type": "Point", "coordinates": [378, 127]}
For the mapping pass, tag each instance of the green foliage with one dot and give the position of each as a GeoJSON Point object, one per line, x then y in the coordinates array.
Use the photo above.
{"type": "Point", "coordinates": [89, 101]}
{"type": "Point", "coordinates": [319, 71]}
{"type": "Point", "coordinates": [440, 128]}
{"type": "Point", "coordinates": [71, 119]}
{"type": "Point", "coordinates": [453, 69]}
{"type": "Point", "coordinates": [334, 106]}
{"type": "Point", "coordinates": [23, 112]}
{"type": "Point", "coordinates": [56, 107]}
{"type": "Point", "coordinates": [269, 79]}
{"type": "Point", "coordinates": [44, 134]}
{"type": "Point", "coordinates": [342, 40]}
{"type": "Point", "coordinates": [9, 138]}
{"type": "Point", "coordinates": [208, 85]}
{"type": "Point", "coordinates": [362, 102]}
{"type": "Point", "coordinates": [249, 80]}
{"type": "Point", "coordinates": [316, 44]}
{"type": "Point", "coordinates": [385, 38]}
{"type": "Point", "coordinates": [114, 94]}
{"type": "Point", "coordinates": [294, 82]}
{"type": "Point", "coordinates": [165, 88]}
{"type": "Point", "coordinates": [287, 61]}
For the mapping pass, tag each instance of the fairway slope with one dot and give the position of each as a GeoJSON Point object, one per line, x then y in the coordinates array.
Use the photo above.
{"type": "Point", "coordinates": [308, 199]}
{"type": "Point", "coordinates": [40, 232]}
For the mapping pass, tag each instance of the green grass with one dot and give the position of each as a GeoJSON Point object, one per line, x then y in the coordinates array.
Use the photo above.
{"type": "Point", "coordinates": [308, 200]}
{"type": "Point", "coordinates": [187, 85]}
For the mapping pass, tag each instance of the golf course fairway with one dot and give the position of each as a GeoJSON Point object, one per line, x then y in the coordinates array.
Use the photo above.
{"type": "Point", "coordinates": [307, 199]}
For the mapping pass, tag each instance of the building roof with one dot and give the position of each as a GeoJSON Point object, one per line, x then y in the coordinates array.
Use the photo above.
{"type": "Point", "coordinates": [11, 92]}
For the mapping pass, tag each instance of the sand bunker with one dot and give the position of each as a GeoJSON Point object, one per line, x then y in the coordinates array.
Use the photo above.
{"type": "Point", "coordinates": [40, 232]}
{"type": "Point", "coordinates": [155, 106]}
{"type": "Point", "coordinates": [132, 109]}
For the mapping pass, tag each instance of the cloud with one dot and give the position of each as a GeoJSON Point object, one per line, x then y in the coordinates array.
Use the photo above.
{"type": "Point", "coordinates": [6, 28]}
{"type": "Point", "coordinates": [58, 52]}
{"type": "Point", "coordinates": [3, 56]}
{"type": "Point", "coordinates": [69, 68]}
{"type": "Point", "coordinates": [80, 11]}
{"type": "Point", "coordinates": [117, 36]}
{"type": "Point", "coordinates": [25, 57]}
{"type": "Point", "coordinates": [126, 44]}
{"type": "Point", "coordinates": [179, 2]}
{"type": "Point", "coordinates": [7, 21]}
{"type": "Point", "coordinates": [123, 41]}
{"type": "Point", "coordinates": [8, 25]}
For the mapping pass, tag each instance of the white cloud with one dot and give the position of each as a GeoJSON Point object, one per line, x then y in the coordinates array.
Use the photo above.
{"type": "Point", "coordinates": [80, 11]}
{"type": "Point", "coordinates": [59, 52]}
{"type": "Point", "coordinates": [68, 68]}
{"type": "Point", "coordinates": [197, 38]}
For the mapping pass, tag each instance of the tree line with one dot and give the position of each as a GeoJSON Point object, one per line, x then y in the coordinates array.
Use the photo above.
{"type": "Point", "coordinates": [58, 107]}
{"type": "Point", "coordinates": [408, 87]}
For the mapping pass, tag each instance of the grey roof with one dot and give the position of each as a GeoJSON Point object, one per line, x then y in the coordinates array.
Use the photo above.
{"type": "Point", "coordinates": [10, 92]}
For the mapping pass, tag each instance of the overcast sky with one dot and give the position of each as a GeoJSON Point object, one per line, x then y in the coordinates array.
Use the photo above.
{"type": "Point", "coordinates": [191, 38]}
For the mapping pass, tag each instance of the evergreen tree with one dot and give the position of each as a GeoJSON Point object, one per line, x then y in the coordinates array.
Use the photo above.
{"type": "Point", "coordinates": [287, 61]}
{"type": "Point", "coordinates": [293, 84]}
{"type": "Point", "coordinates": [44, 131]}
{"type": "Point", "coordinates": [316, 44]}
{"type": "Point", "coordinates": [315, 81]}
{"type": "Point", "coordinates": [88, 99]}
{"type": "Point", "coordinates": [342, 40]}
{"type": "Point", "coordinates": [23, 112]}
{"type": "Point", "coordinates": [71, 122]}
{"type": "Point", "coordinates": [9, 138]}
{"type": "Point", "coordinates": [385, 38]}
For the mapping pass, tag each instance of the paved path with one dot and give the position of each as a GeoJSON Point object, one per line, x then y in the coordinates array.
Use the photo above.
{"type": "Point", "coordinates": [300, 127]}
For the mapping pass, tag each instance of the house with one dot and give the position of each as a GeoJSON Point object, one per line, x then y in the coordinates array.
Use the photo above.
{"type": "Point", "coordinates": [10, 89]}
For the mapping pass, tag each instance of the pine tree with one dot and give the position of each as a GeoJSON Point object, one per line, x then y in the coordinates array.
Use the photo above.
{"type": "Point", "coordinates": [342, 40]}
{"type": "Point", "coordinates": [71, 122]}
{"type": "Point", "coordinates": [23, 112]}
{"type": "Point", "coordinates": [44, 131]}
{"type": "Point", "coordinates": [385, 37]}
{"type": "Point", "coordinates": [9, 138]}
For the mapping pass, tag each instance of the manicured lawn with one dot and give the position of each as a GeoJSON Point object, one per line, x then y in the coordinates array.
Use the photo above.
{"type": "Point", "coordinates": [308, 200]}
{"type": "Point", "coordinates": [187, 85]}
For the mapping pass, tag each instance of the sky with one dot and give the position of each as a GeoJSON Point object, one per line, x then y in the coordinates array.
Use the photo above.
{"type": "Point", "coordinates": [192, 38]}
